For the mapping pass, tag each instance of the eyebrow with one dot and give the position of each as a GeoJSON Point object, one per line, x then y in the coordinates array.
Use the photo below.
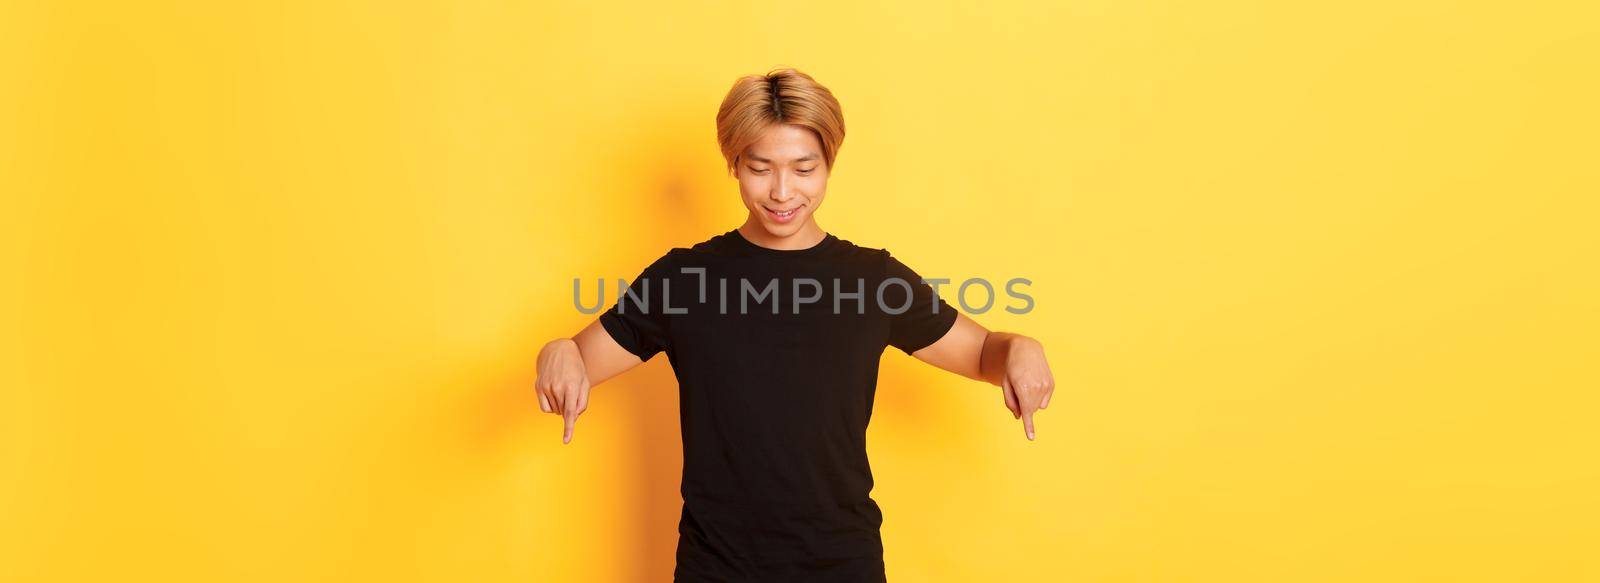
{"type": "Point", "coordinates": [805, 158]}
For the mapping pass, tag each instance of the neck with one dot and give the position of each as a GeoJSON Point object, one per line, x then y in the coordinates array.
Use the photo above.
{"type": "Point", "coordinates": [807, 237]}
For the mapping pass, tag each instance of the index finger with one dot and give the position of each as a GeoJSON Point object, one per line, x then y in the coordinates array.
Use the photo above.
{"type": "Point", "coordinates": [571, 419]}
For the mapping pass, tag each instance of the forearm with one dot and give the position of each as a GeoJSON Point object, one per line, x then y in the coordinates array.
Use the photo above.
{"type": "Point", "coordinates": [602, 357]}
{"type": "Point", "coordinates": [1011, 361]}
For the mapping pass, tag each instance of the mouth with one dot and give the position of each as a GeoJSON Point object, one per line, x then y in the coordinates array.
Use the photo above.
{"type": "Point", "coordinates": [782, 216]}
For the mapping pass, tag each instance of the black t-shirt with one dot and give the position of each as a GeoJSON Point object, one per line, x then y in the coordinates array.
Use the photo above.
{"type": "Point", "coordinates": [776, 354]}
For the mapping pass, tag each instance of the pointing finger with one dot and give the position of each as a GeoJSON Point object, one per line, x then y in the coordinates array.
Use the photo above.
{"type": "Point", "coordinates": [581, 401]}
{"type": "Point", "coordinates": [572, 420]}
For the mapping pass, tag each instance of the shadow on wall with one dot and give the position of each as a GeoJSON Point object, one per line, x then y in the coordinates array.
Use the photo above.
{"type": "Point", "coordinates": [672, 201]}
{"type": "Point", "coordinates": [678, 198]}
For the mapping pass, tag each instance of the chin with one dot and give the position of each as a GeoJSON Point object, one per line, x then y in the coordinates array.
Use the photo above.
{"type": "Point", "coordinates": [782, 230]}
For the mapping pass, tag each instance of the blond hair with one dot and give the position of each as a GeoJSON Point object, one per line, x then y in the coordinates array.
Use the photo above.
{"type": "Point", "coordinates": [782, 96]}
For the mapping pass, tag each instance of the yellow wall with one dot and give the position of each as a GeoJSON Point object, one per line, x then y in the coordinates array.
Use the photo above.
{"type": "Point", "coordinates": [1318, 283]}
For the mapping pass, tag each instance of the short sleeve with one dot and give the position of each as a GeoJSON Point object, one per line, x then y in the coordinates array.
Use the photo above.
{"type": "Point", "coordinates": [637, 321]}
{"type": "Point", "coordinates": [926, 317]}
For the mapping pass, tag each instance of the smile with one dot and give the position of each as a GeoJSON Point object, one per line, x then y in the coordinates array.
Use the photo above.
{"type": "Point", "coordinates": [783, 216]}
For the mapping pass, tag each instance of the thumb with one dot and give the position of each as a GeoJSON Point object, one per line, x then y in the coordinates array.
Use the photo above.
{"type": "Point", "coordinates": [1010, 397]}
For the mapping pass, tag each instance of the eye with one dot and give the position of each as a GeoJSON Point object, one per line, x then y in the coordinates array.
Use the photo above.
{"type": "Point", "coordinates": [757, 170]}
{"type": "Point", "coordinates": [804, 171]}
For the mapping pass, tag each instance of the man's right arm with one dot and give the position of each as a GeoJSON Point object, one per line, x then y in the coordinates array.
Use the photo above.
{"type": "Point", "coordinates": [568, 367]}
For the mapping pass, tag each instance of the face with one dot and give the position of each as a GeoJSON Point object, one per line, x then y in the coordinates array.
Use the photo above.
{"type": "Point", "coordinates": [782, 179]}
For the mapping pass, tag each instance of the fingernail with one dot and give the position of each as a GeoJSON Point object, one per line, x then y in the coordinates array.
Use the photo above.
{"type": "Point", "coordinates": [1030, 436]}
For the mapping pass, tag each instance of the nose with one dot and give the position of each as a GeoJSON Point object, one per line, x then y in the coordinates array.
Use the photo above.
{"type": "Point", "coordinates": [782, 189]}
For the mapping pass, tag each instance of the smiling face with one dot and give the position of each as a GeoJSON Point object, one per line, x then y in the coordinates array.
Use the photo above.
{"type": "Point", "coordinates": [782, 179]}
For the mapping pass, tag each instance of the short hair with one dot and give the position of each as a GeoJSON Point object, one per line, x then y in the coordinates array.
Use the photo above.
{"type": "Point", "coordinates": [782, 96]}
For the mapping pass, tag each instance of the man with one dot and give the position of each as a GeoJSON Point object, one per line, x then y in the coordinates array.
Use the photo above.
{"type": "Point", "coordinates": [774, 331]}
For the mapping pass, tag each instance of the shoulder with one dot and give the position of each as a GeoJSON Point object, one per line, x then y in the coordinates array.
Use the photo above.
{"type": "Point", "coordinates": [692, 255]}
{"type": "Point", "coordinates": [880, 257]}
{"type": "Point", "coordinates": [719, 243]}
{"type": "Point", "coordinates": [853, 250]}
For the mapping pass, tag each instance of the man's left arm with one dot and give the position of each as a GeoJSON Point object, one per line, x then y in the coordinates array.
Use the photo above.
{"type": "Point", "coordinates": [1013, 362]}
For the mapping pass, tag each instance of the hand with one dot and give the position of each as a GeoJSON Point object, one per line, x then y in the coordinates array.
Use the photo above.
{"type": "Point", "coordinates": [1027, 384]}
{"type": "Point", "coordinates": [563, 383]}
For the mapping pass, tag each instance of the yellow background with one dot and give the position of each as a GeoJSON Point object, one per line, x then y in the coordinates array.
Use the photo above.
{"type": "Point", "coordinates": [1318, 283]}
